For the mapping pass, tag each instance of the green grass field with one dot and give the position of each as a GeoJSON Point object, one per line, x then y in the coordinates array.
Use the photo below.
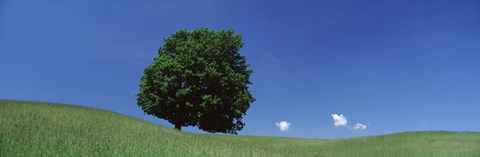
{"type": "Point", "coordinates": [42, 129]}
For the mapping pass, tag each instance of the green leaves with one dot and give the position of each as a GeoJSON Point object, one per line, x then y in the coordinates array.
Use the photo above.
{"type": "Point", "coordinates": [198, 79]}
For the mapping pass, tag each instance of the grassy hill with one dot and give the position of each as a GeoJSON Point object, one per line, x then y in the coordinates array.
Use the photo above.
{"type": "Point", "coordinates": [42, 129]}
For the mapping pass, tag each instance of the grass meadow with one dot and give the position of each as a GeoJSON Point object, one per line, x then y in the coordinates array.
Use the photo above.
{"type": "Point", "coordinates": [45, 129]}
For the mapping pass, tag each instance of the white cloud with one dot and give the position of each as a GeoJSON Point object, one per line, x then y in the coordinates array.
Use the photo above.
{"type": "Point", "coordinates": [359, 126]}
{"type": "Point", "coordinates": [283, 125]}
{"type": "Point", "coordinates": [339, 120]}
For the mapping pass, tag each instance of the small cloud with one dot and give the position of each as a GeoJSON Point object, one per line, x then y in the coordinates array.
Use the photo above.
{"type": "Point", "coordinates": [283, 125]}
{"type": "Point", "coordinates": [339, 120]}
{"type": "Point", "coordinates": [359, 126]}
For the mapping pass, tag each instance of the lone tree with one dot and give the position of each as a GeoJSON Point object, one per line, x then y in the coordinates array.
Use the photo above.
{"type": "Point", "coordinates": [198, 79]}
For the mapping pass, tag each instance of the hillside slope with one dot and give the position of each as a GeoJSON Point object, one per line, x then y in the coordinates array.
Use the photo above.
{"type": "Point", "coordinates": [42, 129]}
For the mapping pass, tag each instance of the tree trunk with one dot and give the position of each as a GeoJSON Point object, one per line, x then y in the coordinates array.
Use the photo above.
{"type": "Point", "coordinates": [178, 127]}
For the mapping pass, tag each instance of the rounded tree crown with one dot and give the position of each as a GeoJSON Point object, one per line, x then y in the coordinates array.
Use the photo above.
{"type": "Point", "coordinates": [198, 79]}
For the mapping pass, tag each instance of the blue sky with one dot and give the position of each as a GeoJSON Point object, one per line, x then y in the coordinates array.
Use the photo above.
{"type": "Point", "coordinates": [392, 66]}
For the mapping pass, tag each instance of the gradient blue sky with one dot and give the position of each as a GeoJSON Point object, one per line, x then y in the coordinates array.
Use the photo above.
{"type": "Point", "coordinates": [392, 65]}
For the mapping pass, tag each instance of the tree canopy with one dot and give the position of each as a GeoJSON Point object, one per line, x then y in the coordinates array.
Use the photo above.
{"type": "Point", "coordinates": [199, 78]}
